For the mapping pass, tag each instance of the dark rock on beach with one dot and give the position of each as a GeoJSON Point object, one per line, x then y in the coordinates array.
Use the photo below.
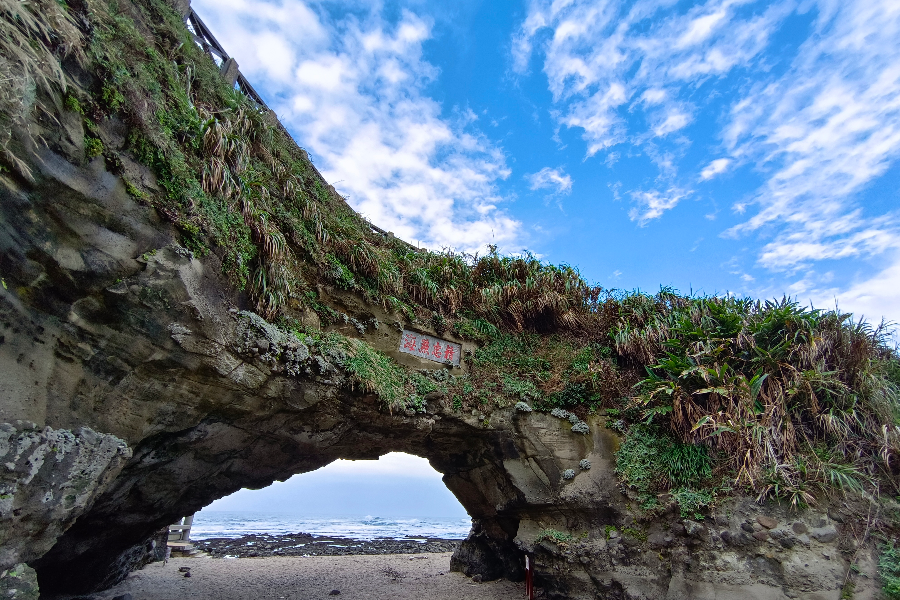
{"type": "Point", "coordinates": [305, 544]}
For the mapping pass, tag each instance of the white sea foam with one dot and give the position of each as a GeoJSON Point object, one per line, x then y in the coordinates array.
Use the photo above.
{"type": "Point", "coordinates": [227, 524]}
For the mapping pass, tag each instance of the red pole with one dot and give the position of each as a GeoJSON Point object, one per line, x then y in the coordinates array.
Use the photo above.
{"type": "Point", "coordinates": [529, 579]}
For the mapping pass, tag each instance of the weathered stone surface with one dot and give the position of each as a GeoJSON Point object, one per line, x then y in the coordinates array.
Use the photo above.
{"type": "Point", "coordinates": [19, 582]}
{"type": "Point", "coordinates": [825, 534]}
{"type": "Point", "coordinates": [767, 522]}
{"type": "Point", "coordinates": [48, 478]}
{"type": "Point", "coordinates": [694, 529]}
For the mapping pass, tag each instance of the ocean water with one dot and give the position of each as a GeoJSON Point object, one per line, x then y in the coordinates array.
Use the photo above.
{"type": "Point", "coordinates": [228, 524]}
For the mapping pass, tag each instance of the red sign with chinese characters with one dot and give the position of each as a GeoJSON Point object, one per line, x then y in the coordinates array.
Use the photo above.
{"type": "Point", "coordinates": [432, 348]}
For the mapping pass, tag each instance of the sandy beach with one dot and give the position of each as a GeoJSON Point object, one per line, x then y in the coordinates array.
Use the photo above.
{"type": "Point", "coordinates": [394, 576]}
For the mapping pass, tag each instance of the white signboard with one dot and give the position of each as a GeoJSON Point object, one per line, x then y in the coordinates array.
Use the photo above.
{"type": "Point", "coordinates": [431, 348]}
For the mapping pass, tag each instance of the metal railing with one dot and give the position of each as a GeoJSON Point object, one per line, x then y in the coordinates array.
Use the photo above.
{"type": "Point", "coordinates": [227, 65]}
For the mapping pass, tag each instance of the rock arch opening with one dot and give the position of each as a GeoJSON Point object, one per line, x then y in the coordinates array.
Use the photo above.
{"type": "Point", "coordinates": [170, 475]}
{"type": "Point", "coordinates": [396, 504]}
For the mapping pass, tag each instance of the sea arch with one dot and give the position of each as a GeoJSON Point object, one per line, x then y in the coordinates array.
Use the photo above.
{"type": "Point", "coordinates": [163, 360]}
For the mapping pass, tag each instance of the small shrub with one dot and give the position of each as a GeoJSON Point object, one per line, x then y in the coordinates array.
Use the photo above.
{"type": "Point", "coordinates": [133, 191]}
{"type": "Point", "coordinates": [520, 388]}
{"type": "Point", "coordinates": [112, 98]}
{"type": "Point", "coordinates": [690, 501]}
{"type": "Point", "coordinates": [650, 461]}
{"type": "Point", "coordinates": [377, 373]}
{"type": "Point", "coordinates": [585, 464]}
{"type": "Point", "coordinates": [554, 535]}
{"type": "Point", "coordinates": [635, 533]}
{"type": "Point", "coordinates": [571, 395]}
{"type": "Point", "coordinates": [72, 104]}
{"type": "Point", "coordinates": [568, 474]}
{"type": "Point", "coordinates": [523, 407]}
{"type": "Point", "coordinates": [686, 463]}
{"type": "Point", "coordinates": [559, 413]}
{"type": "Point", "coordinates": [92, 147]}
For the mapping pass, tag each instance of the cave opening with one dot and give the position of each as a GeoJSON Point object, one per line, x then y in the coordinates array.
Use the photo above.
{"type": "Point", "coordinates": [397, 496]}
{"type": "Point", "coordinates": [173, 475]}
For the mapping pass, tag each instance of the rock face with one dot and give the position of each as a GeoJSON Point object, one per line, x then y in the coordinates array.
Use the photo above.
{"type": "Point", "coordinates": [49, 478]}
{"type": "Point", "coordinates": [148, 393]}
{"type": "Point", "coordinates": [19, 583]}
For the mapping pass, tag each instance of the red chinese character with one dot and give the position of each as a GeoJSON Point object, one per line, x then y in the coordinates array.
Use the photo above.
{"type": "Point", "coordinates": [423, 348]}
{"type": "Point", "coordinates": [437, 350]}
{"type": "Point", "coordinates": [409, 342]}
{"type": "Point", "coordinates": [448, 353]}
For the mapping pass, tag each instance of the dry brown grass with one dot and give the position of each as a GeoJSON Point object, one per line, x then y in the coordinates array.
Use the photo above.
{"type": "Point", "coordinates": [34, 36]}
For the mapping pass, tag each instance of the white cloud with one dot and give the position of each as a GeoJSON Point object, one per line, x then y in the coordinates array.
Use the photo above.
{"type": "Point", "coordinates": [716, 167]}
{"type": "Point", "coordinates": [654, 96]}
{"type": "Point", "coordinates": [599, 56]}
{"type": "Point", "coordinates": [550, 179]}
{"type": "Point", "coordinates": [875, 296]}
{"type": "Point", "coordinates": [822, 132]}
{"type": "Point", "coordinates": [393, 463]}
{"type": "Point", "coordinates": [818, 123]}
{"type": "Point", "coordinates": [673, 120]}
{"type": "Point", "coordinates": [651, 205]}
{"type": "Point", "coordinates": [353, 92]}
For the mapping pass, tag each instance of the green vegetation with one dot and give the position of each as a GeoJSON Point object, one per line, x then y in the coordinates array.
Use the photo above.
{"type": "Point", "coordinates": [651, 461]}
{"type": "Point", "coordinates": [555, 536]}
{"type": "Point", "coordinates": [709, 392]}
{"type": "Point", "coordinates": [92, 147]}
{"type": "Point", "coordinates": [369, 370]}
{"type": "Point", "coordinates": [33, 36]}
{"type": "Point", "coordinates": [889, 569]}
{"type": "Point", "coordinates": [789, 397]}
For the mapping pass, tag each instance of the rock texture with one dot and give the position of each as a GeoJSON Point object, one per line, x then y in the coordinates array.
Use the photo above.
{"type": "Point", "coordinates": [19, 583]}
{"type": "Point", "coordinates": [48, 478]}
{"type": "Point", "coordinates": [108, 325]}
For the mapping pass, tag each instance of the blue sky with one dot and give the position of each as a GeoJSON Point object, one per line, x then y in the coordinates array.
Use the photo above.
{"type": "Point", "coordinates": [719, 146]}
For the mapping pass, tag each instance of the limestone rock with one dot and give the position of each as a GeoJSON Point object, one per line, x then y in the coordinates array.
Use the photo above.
{"type": "Point", "coordinates": [762, 535]}
{"type": "Point", "coordinates": [693, 528]}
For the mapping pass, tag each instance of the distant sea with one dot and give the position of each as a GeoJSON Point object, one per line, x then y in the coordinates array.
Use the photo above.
{"type": "Point", "coordinates": [227, 524]}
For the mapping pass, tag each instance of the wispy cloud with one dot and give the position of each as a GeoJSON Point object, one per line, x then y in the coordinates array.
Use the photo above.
{"type": "Point", "coordinates": [716, 167]}
{"type": "Point", "coordinates": [816, 124]}
{"type": "Point", "coordinates": [651, 205]}
{"type": "Point", "coordinates": [822, 132]}
{"type": "Point", "coordinates": [353, 92]}
{"type": "Point", "coordinates": [554, 180]}
{"type": "Point", "coordinates": [600, 56]}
